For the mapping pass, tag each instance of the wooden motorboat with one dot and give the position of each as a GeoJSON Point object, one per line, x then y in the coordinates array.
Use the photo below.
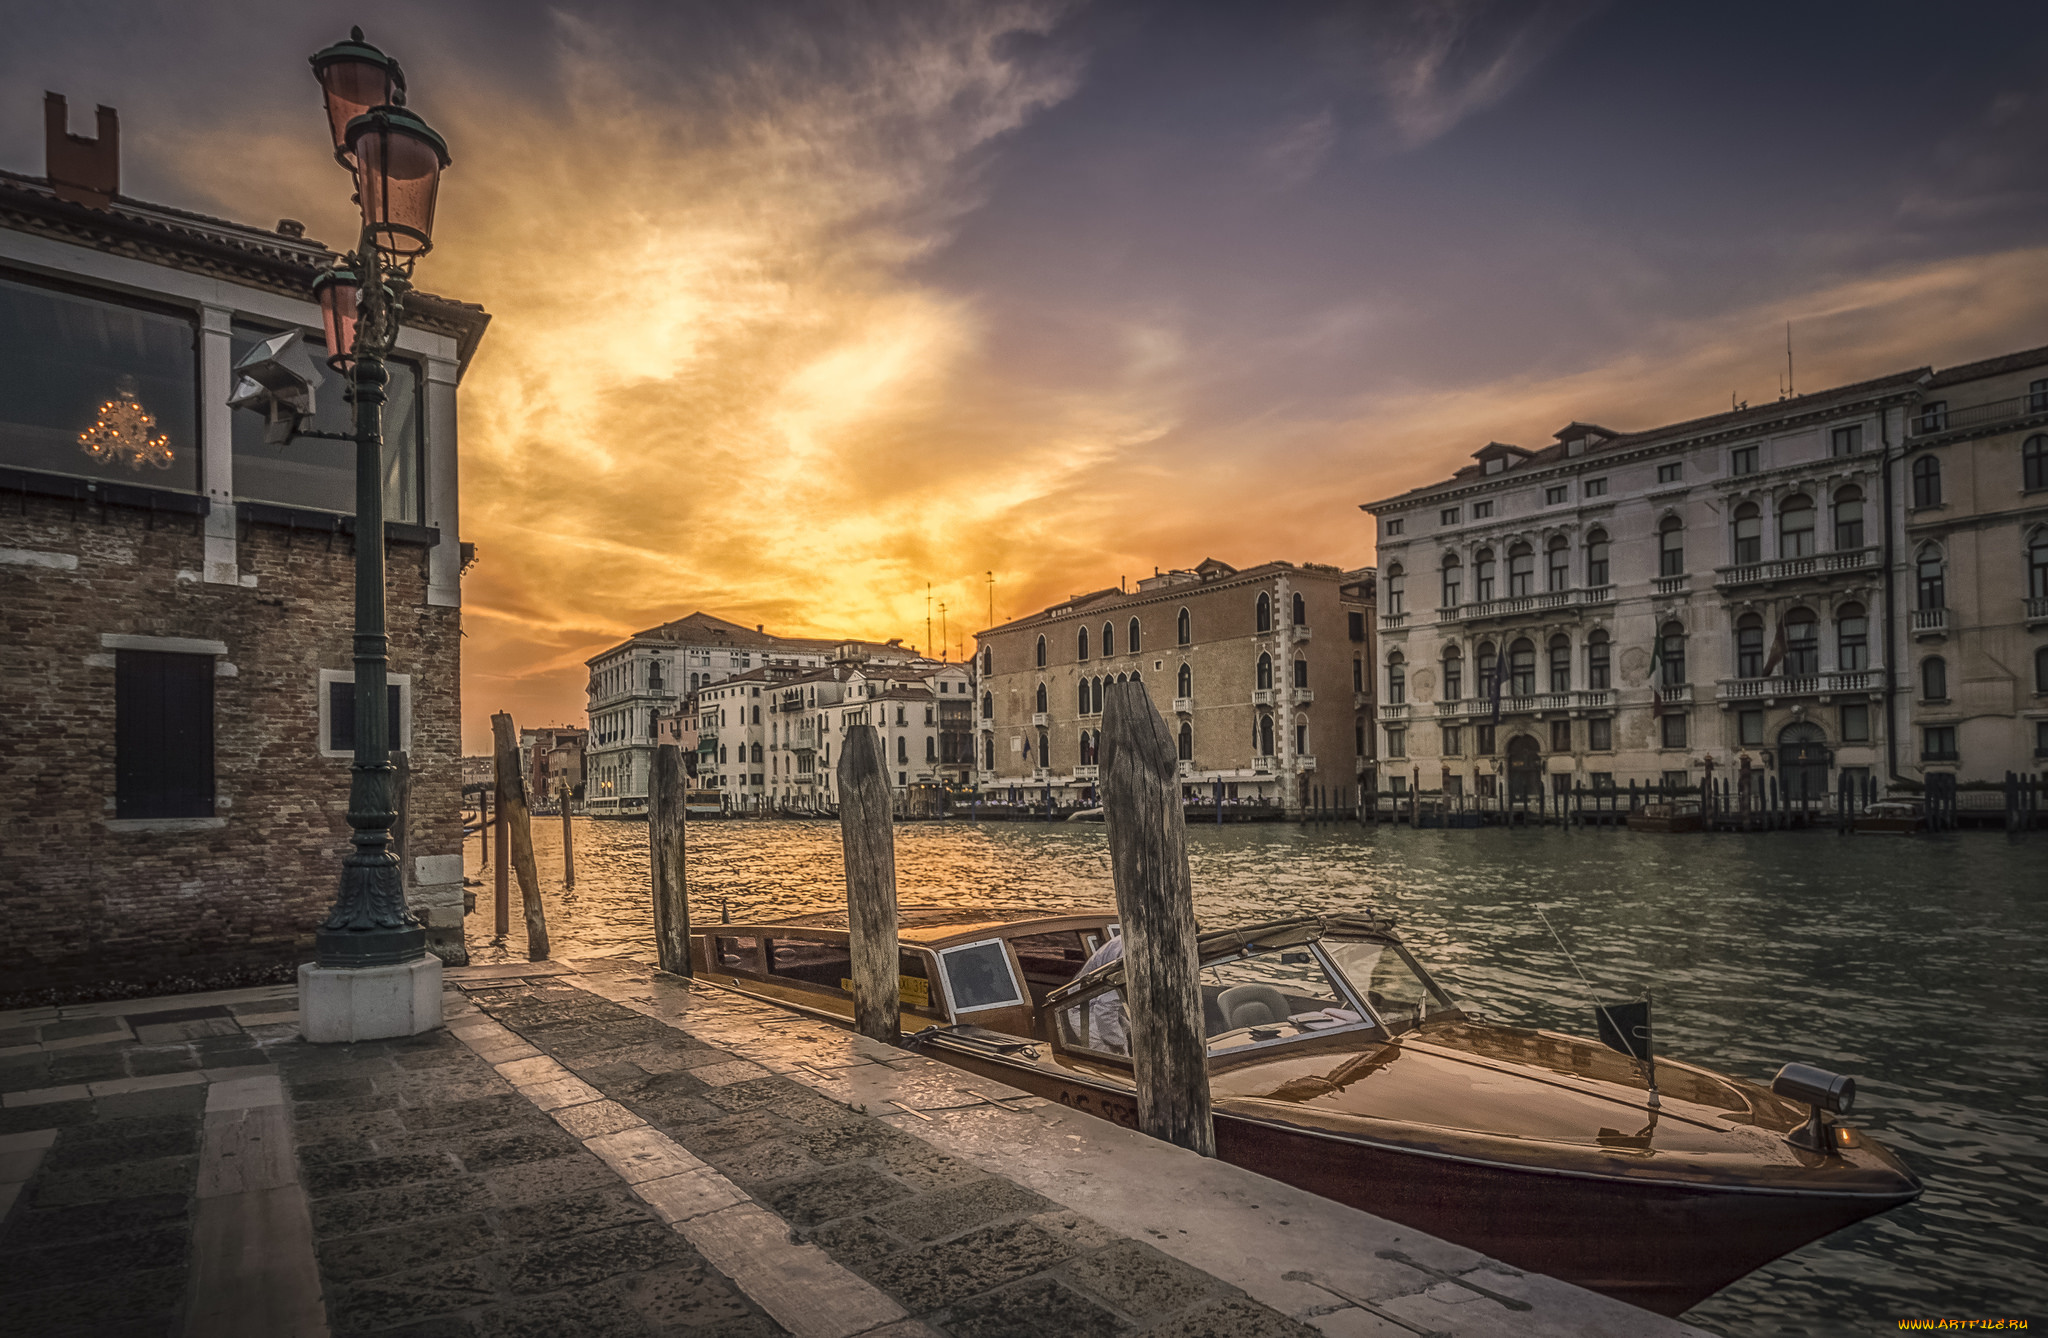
{"type": "Point", "coordinates": [1674, 817]}
{"type": "Point", "coordinates": [1896, 816]}
{"type": "Point", "coordinates": [1339, 1066]}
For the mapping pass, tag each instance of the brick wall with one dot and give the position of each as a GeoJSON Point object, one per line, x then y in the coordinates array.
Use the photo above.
{"type": "Point", "coordinates": [90, 912]}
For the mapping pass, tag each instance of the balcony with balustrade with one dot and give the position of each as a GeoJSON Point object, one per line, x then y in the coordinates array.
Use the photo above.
{"type": "Point", "coordinates": [1393, 712]}
{"type": "Point", "coordinates": [1393, 622]}
{"type": "Point", "coordinates": [1848, 561]}
{"type": "Point", "coordinates": [1183, 705]}
{"type": "Point", "coordinates": [1978, 419]}
{"type": "Point", "coordinates": [1305, 761]}
{"type": "Point", "coordinates": [1550, 601]}
{"type": "Point", "coordinates": [1263, 696]}
{"type": "Point", "coordinates": [1930, 624]}
{"type": "Point", "coordinates": [1302, 696]}
{"type": "Point", "coordinates": [1041, 719]}
{"type": "Point", "coordinates": [1087, 772]}
{"type": "Point", "coordinates": [2037, 611]}
{"type": "Point", "coordinates": [1669, 585]}
{"type": "Point", "coordinates": [1302, 632]}
{"type": "Point", "coordinates": [1535, 703]}
{"type": "Point", "coordinates": [1831, 683]}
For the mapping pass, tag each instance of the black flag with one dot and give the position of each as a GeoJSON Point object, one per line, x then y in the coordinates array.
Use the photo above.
{"type": "Point", "coordinates": [1625, 1027]}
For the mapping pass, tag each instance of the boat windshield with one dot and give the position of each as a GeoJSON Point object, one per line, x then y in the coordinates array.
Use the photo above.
{"type": "Point", "coordinates": [1388, 982]}
{"type": "Point", "coordinates": [1271, 996]}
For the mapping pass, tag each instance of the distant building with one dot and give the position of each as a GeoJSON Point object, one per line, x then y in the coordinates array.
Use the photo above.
{"type": "Point", "coordinates": [176, 596]}
{"type": "Point", "coordinates": [551, 757]}
{"type": "Point", "coordinates": [1847, 583]}
{"type": "Point", "coordinates": [1264, 675]}
{"type": "Point", "coordinates": [653, 672]}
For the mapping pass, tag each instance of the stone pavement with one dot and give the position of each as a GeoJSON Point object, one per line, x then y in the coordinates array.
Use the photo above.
{"type": "Point", "coordinates": [591, 1148]}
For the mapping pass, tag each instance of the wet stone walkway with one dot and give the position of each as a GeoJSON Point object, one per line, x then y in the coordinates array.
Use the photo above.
{"type": "Point", "coordinates": [965, 1252]}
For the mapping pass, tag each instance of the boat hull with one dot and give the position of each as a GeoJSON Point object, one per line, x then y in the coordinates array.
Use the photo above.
{"type": "Point", "coordinates": [1664, 1247]}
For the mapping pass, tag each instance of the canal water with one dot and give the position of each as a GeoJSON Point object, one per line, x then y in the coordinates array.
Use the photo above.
{"type": "Point", "coordinates": [1915, 964]}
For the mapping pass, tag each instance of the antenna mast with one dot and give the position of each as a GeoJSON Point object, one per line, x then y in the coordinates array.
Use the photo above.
{"type": "Point", "coordinates": [927, 617]}
{"type": "Point", "coordinates": [1789, 391]}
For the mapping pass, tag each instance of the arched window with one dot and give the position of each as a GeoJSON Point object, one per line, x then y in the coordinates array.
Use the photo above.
{"type": "Point", "coordinates": [1300, 610]}
{"type": "Point", "coordinates": [1265, 736]}
{"type": "Point", "coordinates": [1187, 742]}
{"type": "Point", "coordinates": [988, 752]}
{"type": "Point", "coordinates": [1749, 646]}
{"type": "Point", "coordinates": [1671, 648]}
{"type": "Point", "coordinates": [1108, 640]}
{"type": "Point", "coordinates": [1454, 572]}
{"type": "Point", "coordinates": [1596, 558]}
{"type": "Point", "coordinates": [757, 754]}
{"type": "Point", "coordinates": [1560, 564]}
{"type": "Point", "coordinates": [1184, 686]}
{"type": "Point", "coordinates": [2034, 463]}
{"type": "Point", "coordinates": [654, 676]}
{"type": "Point", "coordinates": [1852, 638]}
{"type": "Point", "coordinates": [1802, 642]}
{"type": "Point", "coordinates": [1265, 614]}
{"type": "Point", "coordinates": [1044, 749]}
{"type": "Point", "coordinates": [1749, 534]}
{"type": "Point", "coordinates": [988, 659]}
{"type": "Point", "coordinates": [1848, 519]}
{"type": "Point", "coordinates": [1795, 526]}
{"type": "Point", "coordinates": [1671, 547]}
{"type": "Point", "coordinates": [988, 706]}
{"type": "Point", "coordinates": [2041, 670]}
{"type": "Point", "coordinates": [2037, 566]}
{"type": "Point", "coordinates": [1093, 686]}
{"type": "Point", "coordinates": [1300, 672]}
{"type": "Point", "coordinates": [1488, 665]}
{"type": "Point", "coordinates": [1393, 592]}
{"type": "Point", "coordinates": [1560, 663]}
{"type": "Point", "coordinates": [1265, 679]}
{"type": "Point", "coordinates": [1301, 736]}
{"type": "Point", "coordinates": [1927, 481]}
{"type": "Point", "coordinates": [1041, 651]}
{"type": "Point", "coordinates": [1083, 685]}
{"type": "Point", "coordinates": [1522, 668]}
{"type": "Point", "coordinates": [1397, 679]}
{"type": "Point", "coordinates": [1183, 633]}
{"type": "Point", "coordinates": [1521, 571]}
{"type": "Point", "coordinates": [1454, 674]}
{"type": "Point", "coordinates": [1081, 643]}
{"type": "Point", "coordinates": [1599, 661]}
{"type": "Point", "coordinates": [1930, 586]}
{"type": "Point", "coordinates": [1934, 679]}
{"type": "Point", "coordinates": [1131, 643]}
{"type": "Point", "coordinates": [1087, 753]}
{"type": "Point", "coordinates": [1040, 708]}
{"type": "Point", "coordinates": [1482, 575]}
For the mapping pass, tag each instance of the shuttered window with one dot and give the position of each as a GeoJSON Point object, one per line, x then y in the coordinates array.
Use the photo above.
{"type": "Point", "coordinates": [341, 717]}
{"type": "Point", "coordinates": [163, 735]}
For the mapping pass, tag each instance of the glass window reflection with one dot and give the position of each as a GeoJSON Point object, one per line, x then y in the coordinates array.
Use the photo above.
{"type": "Point", "coordinates": [319, 474]}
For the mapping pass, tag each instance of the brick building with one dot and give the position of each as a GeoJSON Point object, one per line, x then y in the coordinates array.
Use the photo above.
{"type": "Point", "coordinates": [176, 598]}
{"type": "Point", "coordinates": [1265, 676]}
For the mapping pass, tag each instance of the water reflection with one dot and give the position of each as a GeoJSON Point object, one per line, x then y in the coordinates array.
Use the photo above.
{"type": "Point", "coordinates": [1912, 963]}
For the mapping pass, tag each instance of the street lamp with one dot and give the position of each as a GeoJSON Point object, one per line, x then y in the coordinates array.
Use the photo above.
{"type": "Point", "coordinates": [396, 161]}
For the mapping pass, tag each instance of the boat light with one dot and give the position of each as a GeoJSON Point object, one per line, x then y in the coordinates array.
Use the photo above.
{"type": "Point", "coordinates": [1821, 1091]}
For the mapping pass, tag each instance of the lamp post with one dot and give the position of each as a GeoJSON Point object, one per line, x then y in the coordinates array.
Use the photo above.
{"type": "Point", "coordinates": [371, 975]}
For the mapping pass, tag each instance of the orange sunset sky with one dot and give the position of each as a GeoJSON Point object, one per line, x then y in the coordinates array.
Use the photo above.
{"type": "Point", "coordinates": [800, 308]}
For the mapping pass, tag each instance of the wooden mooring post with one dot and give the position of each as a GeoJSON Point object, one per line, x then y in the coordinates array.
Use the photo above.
{"type": "Point", "coordinates": [667, 815]}
{"type": "Point", "coordinates": [503, 878]}
{"type": "Point", "coordinates": [1148, 858]}
{"type": "Point", "coordinates": [568, 840]}
{"type": "Point", "coordinates": [869, 841]}
{"type": "Point", "coordinates": [515, 816]}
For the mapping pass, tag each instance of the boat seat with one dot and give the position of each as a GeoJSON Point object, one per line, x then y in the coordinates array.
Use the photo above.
{"type": "Point", "coordinates": [1253, 1006]}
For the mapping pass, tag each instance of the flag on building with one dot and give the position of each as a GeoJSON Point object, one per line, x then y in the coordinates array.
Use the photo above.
{"type": "Point", "coordinates": [1499, 674]}
{"type": "Point", "coordinates": [1777, 655]}
{"type": "Point", "coordinates": [1657, 676]}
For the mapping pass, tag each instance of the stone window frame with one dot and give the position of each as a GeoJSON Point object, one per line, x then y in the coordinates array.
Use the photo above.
{"type": "Point", "coordinates": [324, 699]}
{"type": "Point", "coordinates": [222, 668]}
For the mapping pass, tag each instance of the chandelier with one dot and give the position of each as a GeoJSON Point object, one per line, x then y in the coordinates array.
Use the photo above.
{"type": "Point", "coordinates": [125, 433]}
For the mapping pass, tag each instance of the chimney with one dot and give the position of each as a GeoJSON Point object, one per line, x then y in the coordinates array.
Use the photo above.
{"type": "Point", "coordinates": [83, 171]}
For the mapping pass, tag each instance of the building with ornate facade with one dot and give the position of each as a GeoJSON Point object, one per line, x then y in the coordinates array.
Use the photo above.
{"type": "Point", "coordinates": [1264, 675]}
{"type": "Point", "coordinates": [653, 672]}
{"type": "Point", "coordinates": [1813, 589]}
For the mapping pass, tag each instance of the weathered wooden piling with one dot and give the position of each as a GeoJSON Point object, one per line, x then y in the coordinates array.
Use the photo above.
{"type": "Point", "coordinates": [1148, 857]}
{"type": "Point", "coordinates": [568, 839]}
{"type": "Point", "coordinates": [869, 841]}
{"type": "Point", "coordinates": [501, 838]}
{"type": "Point", "coordinates": [667, 813]}
{"type": "Point", "coordinates": [517, 819]}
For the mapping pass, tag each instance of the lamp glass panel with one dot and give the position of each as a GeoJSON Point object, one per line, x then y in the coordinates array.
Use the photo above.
{"type": "Point", "coordinates": [397, 177]}
{"type": "Point", "coordinates": [352, 87]}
